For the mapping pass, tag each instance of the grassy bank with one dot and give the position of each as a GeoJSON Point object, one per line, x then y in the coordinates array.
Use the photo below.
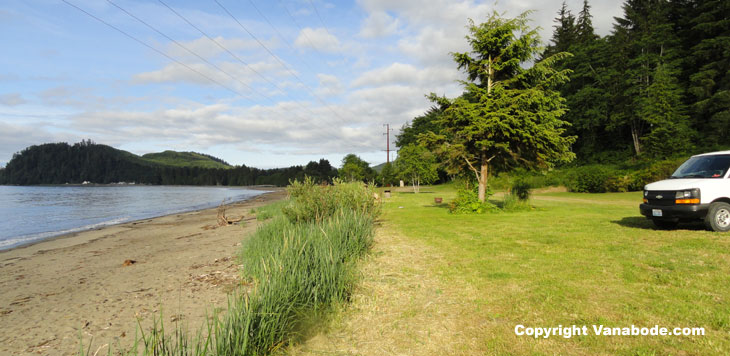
{"type": "Point", "coordinates": [297, 267]}
{"type": "Point", "coordinates": [576, 259]}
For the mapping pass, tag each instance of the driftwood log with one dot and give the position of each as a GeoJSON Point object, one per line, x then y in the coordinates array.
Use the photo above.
{"type": "Point", "coordinates": [222, 219]}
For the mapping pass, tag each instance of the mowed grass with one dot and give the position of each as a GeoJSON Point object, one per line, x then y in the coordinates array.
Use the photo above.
{"type": "Point", "coordinates": [576, 259]}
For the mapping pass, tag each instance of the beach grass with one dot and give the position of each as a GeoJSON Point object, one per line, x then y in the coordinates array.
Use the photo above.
{"type": "Point", "coordinates": [298, 270]}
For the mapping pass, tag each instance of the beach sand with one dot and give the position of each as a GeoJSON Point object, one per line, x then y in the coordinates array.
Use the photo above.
{"type": "Point", "coordinates": [78, 287]}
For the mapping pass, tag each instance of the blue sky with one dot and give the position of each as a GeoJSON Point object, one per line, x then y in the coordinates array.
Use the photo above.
{"type": "Point", "coordinates": [337, 71]}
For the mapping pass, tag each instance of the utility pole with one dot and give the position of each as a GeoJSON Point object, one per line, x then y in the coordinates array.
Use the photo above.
{"type": "Point", "coordinates": [387, 144]}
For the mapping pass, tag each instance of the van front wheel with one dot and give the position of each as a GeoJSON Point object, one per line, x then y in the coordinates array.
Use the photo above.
{"type": "Point", "coordinates": [718, 217]}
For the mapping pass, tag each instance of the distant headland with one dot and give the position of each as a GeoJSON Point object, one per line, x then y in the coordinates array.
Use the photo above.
{"type": "Point", "coordinates": [86, 161]}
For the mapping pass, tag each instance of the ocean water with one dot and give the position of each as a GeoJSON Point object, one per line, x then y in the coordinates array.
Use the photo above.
{"type": "Point", "coordinates": [33, 213]}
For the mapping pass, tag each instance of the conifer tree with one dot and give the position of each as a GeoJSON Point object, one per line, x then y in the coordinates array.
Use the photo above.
{"type": "Point", "coordinates": [709, 66]}
{"type": "Point", "coordinates": [508, 116]}
{"type": "Point", "coordinates": [662, 109]}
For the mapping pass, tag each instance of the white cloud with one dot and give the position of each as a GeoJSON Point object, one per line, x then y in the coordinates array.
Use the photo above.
{"type": "Point", "coordinates": [399, 73]}
{"type": "Point", "coordinates": [240, 77]}
{"type": "Point", "coordinates": [14, 138]}
{"type": "Point", "coordinates": [329, 85]}
{"type": "Point", "coordinates": [319, 39]}
{"type": "Point", "coordinates": [378, 24]}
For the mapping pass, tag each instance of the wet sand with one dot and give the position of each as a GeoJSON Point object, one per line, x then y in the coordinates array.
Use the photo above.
{"type": "Point", "coordinates": [97, 284]}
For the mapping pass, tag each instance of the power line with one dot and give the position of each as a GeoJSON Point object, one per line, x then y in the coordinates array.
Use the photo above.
{"type": "Point", "coordinates": [226, 49]}
{"type": "Point", "coordinates": [187, 49]}
{"type": "Point", "coordinates": [155, 49]}
{"type": "Point", "coordinates": [301, 30]}
{"type": "Point", "coordinates": [279, 60]}
{"type": "Point", "coordinates": [284, 39]}
{"type": "Point", "coordinates": [320, 19]}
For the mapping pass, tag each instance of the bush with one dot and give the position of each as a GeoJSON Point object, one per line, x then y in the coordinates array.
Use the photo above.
{"type": "Point", "coordinates": [536, 179]}
{"type": "Point", "coordinates": [655, 172]}
{"type": "Point", "coordinates": [521, 189]}
{"type": "Point", "coordinates": [467, 200]}
{"type": "Point", "coordinates": [593, 179]}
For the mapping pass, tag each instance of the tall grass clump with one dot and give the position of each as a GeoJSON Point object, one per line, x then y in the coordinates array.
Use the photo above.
{"type": "Point", "coordinates": [301, 264]}
{"type": "Point", "coordinates": [298, 270]}
{"type": "Point", "coordinates": [310, 202]}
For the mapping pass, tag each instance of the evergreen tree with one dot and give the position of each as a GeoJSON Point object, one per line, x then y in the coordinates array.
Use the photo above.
{"type": "Point", "coordinates": [642, 39]}
{"type": "Point", "coordinates": [509, 116]}
{"type": "Point", "coordinates": [586, 91]}
{"type": "Point", "coordinates": [564, 32]}
{"type": "Point", "coordinates": [408, 134]}
{"type": "Point", "coordinates": [670, 132]}
{"type": "Point", "coordinates": [584, 32]}
{"type": "Point", "coordinates": [709, 64]}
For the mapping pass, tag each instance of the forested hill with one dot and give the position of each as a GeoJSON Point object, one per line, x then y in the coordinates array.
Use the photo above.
{"type": "Point", "coordinates": [186, 159]}
{"type": "Point", "coordinates": [61, 163]}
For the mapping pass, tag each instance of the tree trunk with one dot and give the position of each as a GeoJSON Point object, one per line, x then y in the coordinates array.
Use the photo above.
{"type": "Point", "coordinates": [483, 181]}
{"type": "Point", "coordinates": [635, 137]}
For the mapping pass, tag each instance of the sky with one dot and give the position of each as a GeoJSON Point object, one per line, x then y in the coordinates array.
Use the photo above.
{"type": "Point", "coordinates": [262, 83]}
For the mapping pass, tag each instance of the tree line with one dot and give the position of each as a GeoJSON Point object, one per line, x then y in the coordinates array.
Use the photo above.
{"type": "Point", "coordinates": [61, 163]}
{"type": "Point", "coordinates": [656, 87]}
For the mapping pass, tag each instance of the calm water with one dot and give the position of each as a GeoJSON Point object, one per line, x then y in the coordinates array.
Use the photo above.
{"type": "Point", "coordinates": [29, 214]}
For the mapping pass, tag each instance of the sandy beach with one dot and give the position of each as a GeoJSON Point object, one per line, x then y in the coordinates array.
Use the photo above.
{"type": "Point", "coordinates": [97, 284]}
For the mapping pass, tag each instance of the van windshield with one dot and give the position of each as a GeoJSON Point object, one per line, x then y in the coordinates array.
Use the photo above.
{"type": "Point", "coordinates": [714, 166]}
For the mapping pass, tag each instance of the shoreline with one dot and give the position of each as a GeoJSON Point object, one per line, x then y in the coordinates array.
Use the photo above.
{"type": "Point", "coordinates": [54, 291]}
{"type": "Point", "coordinates": [66, 233]}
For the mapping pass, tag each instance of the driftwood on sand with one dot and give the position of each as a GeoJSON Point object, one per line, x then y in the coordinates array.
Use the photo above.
{"type": "Point", "coordinates": [222, 219]}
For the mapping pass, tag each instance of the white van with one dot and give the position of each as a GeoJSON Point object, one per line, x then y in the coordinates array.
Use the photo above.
{"type": "Point", "coordinates": [698, 190]}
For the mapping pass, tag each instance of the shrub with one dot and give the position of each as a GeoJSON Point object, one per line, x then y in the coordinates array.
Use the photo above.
{"type": "Point", "coordinates": [655, 172]}
{"type": "Point", "coordinates": [467, 200]}
{"type": "Point", "coordinates": [521, 189]}
{"type": "Point", "coordinates": [591, 179]}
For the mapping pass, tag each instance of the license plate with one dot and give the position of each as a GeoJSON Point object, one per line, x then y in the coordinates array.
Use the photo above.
{"type": "Point", "coordinates": [656, 212]}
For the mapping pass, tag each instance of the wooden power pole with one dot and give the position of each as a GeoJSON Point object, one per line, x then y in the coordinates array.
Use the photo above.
{"type": "Point", "coordinates": [387, 142]}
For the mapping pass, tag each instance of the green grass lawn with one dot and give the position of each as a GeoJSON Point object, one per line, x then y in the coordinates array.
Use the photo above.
{"type": "Point", "coordinates": [575, 259]}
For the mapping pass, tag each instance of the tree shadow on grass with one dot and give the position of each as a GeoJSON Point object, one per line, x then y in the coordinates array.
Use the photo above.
{"type": "Point", "coordinates": [638, 222]}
